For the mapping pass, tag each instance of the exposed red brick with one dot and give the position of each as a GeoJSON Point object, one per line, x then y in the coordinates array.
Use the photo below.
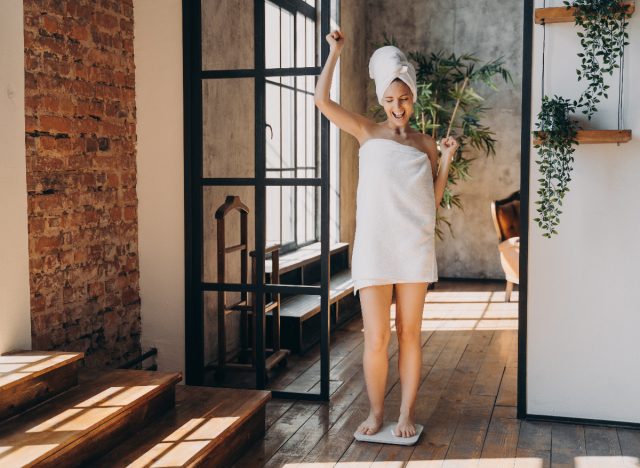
{"type": "Point", "coordinates": [81, 177]}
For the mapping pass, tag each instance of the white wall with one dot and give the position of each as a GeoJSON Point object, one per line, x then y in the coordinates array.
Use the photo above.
{"type": "Point", "coordinates": [15, 331]}
{"type": "Point", "coordinates": [158, 60]}
{"type": "Point", "coordinates": [583, 315]}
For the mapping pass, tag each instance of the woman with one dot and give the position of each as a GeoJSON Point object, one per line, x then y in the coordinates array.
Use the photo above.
{"type": "Point", "coordinates": [398, 192]}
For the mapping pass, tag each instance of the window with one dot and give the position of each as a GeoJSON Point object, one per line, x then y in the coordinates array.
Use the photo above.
{"type": "Point", "coordinates": [291, 43]}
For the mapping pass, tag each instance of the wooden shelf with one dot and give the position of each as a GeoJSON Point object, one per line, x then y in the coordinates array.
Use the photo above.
{"type": "Point", "coordinates": [586, 137]}
{"type": "Point", "coordinates": [565, 15]}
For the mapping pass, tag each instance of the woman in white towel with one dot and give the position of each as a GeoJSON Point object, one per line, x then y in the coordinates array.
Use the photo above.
{"type": "Point", "coordinates": [399, 188]}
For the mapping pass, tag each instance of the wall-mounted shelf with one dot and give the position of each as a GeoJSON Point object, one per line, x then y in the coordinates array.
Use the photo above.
{"type": "Point", "coordinates": [586, 137]}
{"type": "Point", "coordinates": [564, 14]}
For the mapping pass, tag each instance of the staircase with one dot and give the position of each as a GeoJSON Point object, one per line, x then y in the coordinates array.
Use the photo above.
{"type": "Point", "coordinates": [53, 413]}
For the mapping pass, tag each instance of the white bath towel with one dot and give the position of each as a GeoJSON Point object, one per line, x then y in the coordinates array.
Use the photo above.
{"type": "Point", "coordinates": [388, 63]}
{"type": "Point", "coordinates": [395, 216]}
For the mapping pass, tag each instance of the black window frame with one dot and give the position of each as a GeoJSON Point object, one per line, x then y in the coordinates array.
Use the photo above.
{"type": "Point", "coordinates": [195, 182]}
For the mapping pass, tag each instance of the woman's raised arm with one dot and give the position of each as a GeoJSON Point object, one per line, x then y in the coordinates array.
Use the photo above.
{"type": "Point", "coordinates": [351, 122]}
{"type": "Point", "coordinates": [449, 146]}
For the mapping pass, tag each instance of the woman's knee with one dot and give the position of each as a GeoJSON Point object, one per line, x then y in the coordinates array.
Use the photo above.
{"type": "Point", "coordinates": [377, 341]}
{"type": "Point", "coordinates": [408, 334]}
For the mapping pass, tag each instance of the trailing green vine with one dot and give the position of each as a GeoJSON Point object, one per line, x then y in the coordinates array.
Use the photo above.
{"type": "Point", "coordinates": [603, 40]}
{"type": "Point", "coordinates": [556, 137]}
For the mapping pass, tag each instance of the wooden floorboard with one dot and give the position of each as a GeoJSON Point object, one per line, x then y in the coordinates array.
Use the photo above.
{"type": "Point", "coordinates": [466, 399]}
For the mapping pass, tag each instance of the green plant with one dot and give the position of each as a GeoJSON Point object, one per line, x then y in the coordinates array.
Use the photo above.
{"type": "Point", "coordinates": [556, 137]}
{"type": "Point", "coordinates": [448, 102]}
{"type": "Point", "coordinates": [603, 40]}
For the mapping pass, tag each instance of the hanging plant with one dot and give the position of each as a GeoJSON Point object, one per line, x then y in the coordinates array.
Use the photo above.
{"type": "Point", "coordinates": [555, 140]}
{"type": "Point", "coordinates": [603, 40]}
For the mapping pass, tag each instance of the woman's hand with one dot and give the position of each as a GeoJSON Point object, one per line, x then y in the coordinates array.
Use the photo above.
{"type": "Point", "coordinates": [335, 40]}
{"type": "Point", "coordinates": [449, 146]}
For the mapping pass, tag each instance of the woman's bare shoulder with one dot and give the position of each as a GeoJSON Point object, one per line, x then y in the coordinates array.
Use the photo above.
{"type": "Point", "coordinates": [370, 129]}
{"type": "Point", "coordinates": [428, 142]}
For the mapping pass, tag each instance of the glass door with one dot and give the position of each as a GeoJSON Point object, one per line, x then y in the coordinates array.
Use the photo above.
{"type": "Point", "coordinates": [257, 192]}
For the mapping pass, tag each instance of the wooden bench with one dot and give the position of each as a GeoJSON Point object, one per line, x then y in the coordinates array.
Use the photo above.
{"type": "Point", "coordinates": [300, 314]}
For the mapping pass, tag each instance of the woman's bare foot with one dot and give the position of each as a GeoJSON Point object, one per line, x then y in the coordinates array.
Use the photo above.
{"type": "Point", "coordinates": [405, 427]}
{"type": "Point", "coordinates": [371, 425]}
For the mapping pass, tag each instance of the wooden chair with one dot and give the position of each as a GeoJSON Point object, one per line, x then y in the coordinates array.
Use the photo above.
{"type": "Point", "coordinates": [246, 305]}
{"type": "Point", "coordinates": [506, 219]}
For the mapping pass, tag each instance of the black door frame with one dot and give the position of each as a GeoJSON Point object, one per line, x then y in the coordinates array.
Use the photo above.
{"type": "Point", "coordinates": [525, 147]}
{"type": "Point", "coordinates": [194, 181]}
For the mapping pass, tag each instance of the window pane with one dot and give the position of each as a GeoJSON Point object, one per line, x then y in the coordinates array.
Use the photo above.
{"type": "Point", "coordinates": [213, 198]}
{"type": "Point", "coordinates": [227, 34]}
{"type": "Point", "coordinates": [300, 213]}
{"type": "Point", "coordinates": [238, 337]}
{"type": "Point", "coordinates": [287, 39]}
{"type": "Point", "coordinates": [288, 215]}
{"type": "Point", "coordinates": [311, 43]}
{"type": "Point", "coordinates": [272, 35]}
{"type": "Point", "coordinates": [273, 130]}
{"type": "Point", "coordinates": [274, 201]}
{"type": "Point", "coordinates": [310, 232]}
{"type": "Point", "coordinates": [288, 123]}
{"type": "Point", "coordinates": [228, 127]}
{"type": "Point", "coordinates": [311, 132]}
{"type": "Point", "coordinates": [301, 129]}
{"type": "Point", "coordinates": [300, 40]}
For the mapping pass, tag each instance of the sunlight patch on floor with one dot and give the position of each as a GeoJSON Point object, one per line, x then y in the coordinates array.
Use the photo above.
{"type": "Point", "coordinates": [525, 462]}
{"type": "Point", "coordinates": [20, 456]}
{"type": "Point", "coordinates": [476, 310]}
{"type": "Point", "coordinates": [457, 463]}
{"type": "Point", "coordinates": [14, 367]}
{"type": "Point", "coordinates": [606, 462]}
{"type": "Point", "coordinates": [179, 447]}
{"type": "Point", "coordinates": [80, 417]}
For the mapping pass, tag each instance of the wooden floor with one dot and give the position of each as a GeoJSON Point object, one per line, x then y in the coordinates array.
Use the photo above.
{"type": "Point", "coordinates": [466, 401]}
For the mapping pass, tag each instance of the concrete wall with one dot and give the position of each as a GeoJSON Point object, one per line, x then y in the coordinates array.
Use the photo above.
{"type": "Point", "coordinates": [353, 94]}
{"type": "Point", "coordinates": [582, 316]}
{"type": "Point", "coordinates": [158, 60]}
{"type": "Point", "coordinates": [15, 332]}
{"type": "Point", "coordinates": [461, 26]}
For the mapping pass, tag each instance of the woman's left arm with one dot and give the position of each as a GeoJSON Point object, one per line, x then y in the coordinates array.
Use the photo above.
{"type": "Point", "coordinates": [449, 147]}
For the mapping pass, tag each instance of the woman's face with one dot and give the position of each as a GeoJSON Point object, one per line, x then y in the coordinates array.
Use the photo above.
{"type": "Point", "coordinates": [398, 103]}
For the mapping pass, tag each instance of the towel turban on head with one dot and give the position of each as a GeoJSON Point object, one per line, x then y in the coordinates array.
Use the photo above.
{"type": "Point", "coordinates": [388, 63]}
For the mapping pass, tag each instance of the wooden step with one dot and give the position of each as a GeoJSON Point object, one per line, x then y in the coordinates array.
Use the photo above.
{"type": "Point", "coordinates": [29, 377]}
{"type": "Point", "coordinates": [208, 427]}
{"type": "Point", "coordinates": [87, 420]}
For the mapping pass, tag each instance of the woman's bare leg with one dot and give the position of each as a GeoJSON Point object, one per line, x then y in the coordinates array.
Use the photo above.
{"type": "Point", "coordinates": [376, 305]}
{"type": "Point", "coordinates": [409, 307]}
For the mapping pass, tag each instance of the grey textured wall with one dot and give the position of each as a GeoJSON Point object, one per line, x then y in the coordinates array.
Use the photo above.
{"type": "Point", "coordinates": [353, 73]}
{"type": "Point", "coordinates": [488, 28]}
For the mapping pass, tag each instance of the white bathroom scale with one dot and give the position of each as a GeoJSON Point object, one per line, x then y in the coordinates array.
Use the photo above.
{"type": "Point", "coordinates": [385, 435]}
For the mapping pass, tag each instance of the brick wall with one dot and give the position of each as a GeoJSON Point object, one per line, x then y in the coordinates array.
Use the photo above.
{"type": "Point", "coordinates": [81, 177]}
